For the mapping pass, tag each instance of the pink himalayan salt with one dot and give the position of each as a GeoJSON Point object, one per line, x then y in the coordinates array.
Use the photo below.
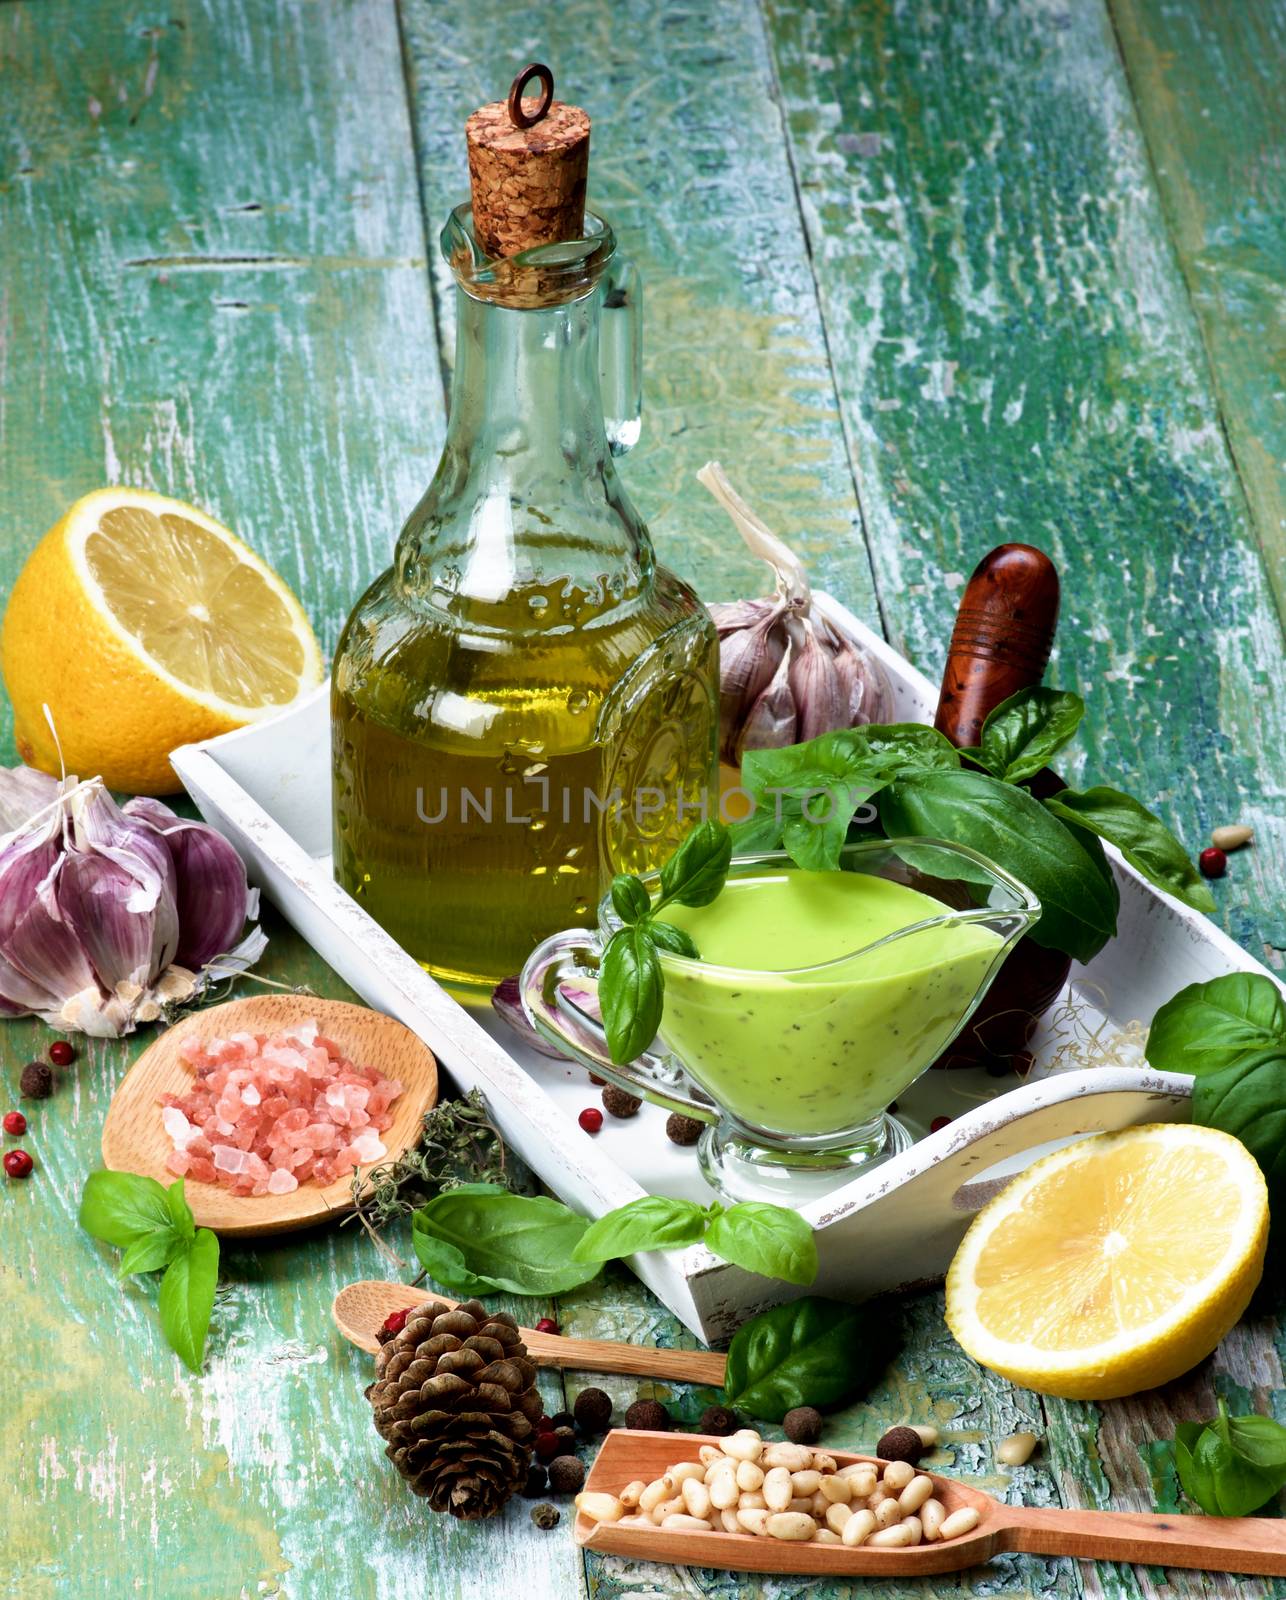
{"type": "Point", "coordinates": [269, 1112]}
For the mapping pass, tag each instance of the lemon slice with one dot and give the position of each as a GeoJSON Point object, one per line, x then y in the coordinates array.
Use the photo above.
{"type": "Point", "coordinates": [1113, 1265]}
{"type": "Point", "coordinates": [144, 624]}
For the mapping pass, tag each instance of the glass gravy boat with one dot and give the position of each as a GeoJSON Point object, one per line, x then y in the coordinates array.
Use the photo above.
{"type": "Point", "coordinates": [792, 1067]}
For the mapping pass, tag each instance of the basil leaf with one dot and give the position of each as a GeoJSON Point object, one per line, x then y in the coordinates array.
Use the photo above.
{"type": "Point", "coordinates": [446, 1264]}
{"type": "Point", "coordinates": [1004, 823]}
{"type": "Point", "coordinates": [630, 992]}
{"type": "Point", "coordinates": [1233, 1486]}
{"type": "Point", "coordinates": [816, 845]}
{"type": "Point", "coordinates": [694, 874]}
{"type": "Point", "coordinates": [653, 1223]}
{"type": "Point", "coordinates": [1209, 1026]}
{"type": "Point", "coordinates": [813, 1352]}
{"type": "Point", "coordinates": [1144, 840]}
{"type": "Point", "coordinates": [521, 1244]}
{"type": "Point", "coordinates": [667, 937]}
{"type": "Point", "coordinates": [119, 1207]}
{"type": "Point", "coordinates": [1023, 732]}
{"type": "Point", "coordinates": [151, 1251]}
{"type": "Point", "coordinates": [180, 1210]}
{"type": "Point", "coordinates": [1259, 1440]}
{"type": "Point", "coordinates": [187, 1297]}
{"type": "Point", "coordinates": [767, 1239]}
{"type": "Point", "coordinates": [630, 898]}
{"type": "Point", "coordinates": [1248, 1100]}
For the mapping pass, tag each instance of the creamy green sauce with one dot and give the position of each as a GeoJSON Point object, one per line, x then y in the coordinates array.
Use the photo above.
{"type": "Point", "coordinates": [797, 1047]}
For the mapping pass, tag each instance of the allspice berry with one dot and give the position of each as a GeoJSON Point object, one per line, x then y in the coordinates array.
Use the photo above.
{"type": "Point", "coordinates": [901, 1444]}
{"type": "Point", "coordinates": [37, 1081]}
{"type": "Point", "coordinates": [619, 1102]}
{"type": "Point", "coordinates": [803, 1425]}
{"type": "Point", "coordinates": [546, 1516]}
{"type": "Point", "coordinates": [719, 1421]}
{"type": "Point", "coordinates": [682, 1130]}
{"type": "Point", "coordinates": [593, 1412]}
{"type": "Point", "coordinates": [535, 1484]}
{"type": "Point", "coordinates": [566, 1475]}
{"type": "Point", "coordinates": [648, 1414]}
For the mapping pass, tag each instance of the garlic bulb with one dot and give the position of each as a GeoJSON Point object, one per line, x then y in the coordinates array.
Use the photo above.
{"type": "Point", "coordinates": [108, 912]}
{"type": "Point", "coordinates": [785, 674]}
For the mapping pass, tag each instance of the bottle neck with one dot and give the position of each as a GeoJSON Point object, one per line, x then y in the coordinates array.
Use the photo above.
{"type": "Point", "coordinates": [525, 515]}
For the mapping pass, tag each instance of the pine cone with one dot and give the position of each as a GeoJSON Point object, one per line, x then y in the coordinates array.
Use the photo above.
{"type": "Point", "coordinates": [454, 1395]}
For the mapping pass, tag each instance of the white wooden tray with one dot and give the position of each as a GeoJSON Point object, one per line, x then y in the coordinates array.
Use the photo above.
{"type": "Point", "coordinates": [268, 788]}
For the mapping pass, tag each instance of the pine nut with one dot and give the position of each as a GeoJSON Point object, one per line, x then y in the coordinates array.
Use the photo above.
{"type": "Point", "coordinates": [929, 1435]}
{"type": "Point", "coordinates": [659, 1489]}
{"type": "Point", "coordinates": [916, 1493]}
{"type": "Point", "coordinates": [932, 1515]}
{"type": "Point", "coordinates": [636, 1521]}
{"type": "Point", "coordinates": [806, 1482]}
{"type": "Point", "coordinates": [750, 1475]}
{"type": "Point", "coordinates": [680, 1522]}
{"type": "Point", "coordinates": [887, 1513]}
{"type": "Point", "coordinates": [891, 1538]}
{"type": "Point", "coordinates": [837, 1515]}
{"type": "Point", "coordinates": [794, 1457]}
{"type": "Point", "coordinates": [751, 1500]}
{"type": "Point", "coordinates": [791, 1525]}
{"type": "Point", "coordinates": [629, 1495]}
{"type": "Point", "coordinates": [824, 1463]}
{"type": "Point", "coordinates": [710, 1455]}
{"type": "Point", "coordinates": [682, 1470]}
{"type": "Point", "coordinates": [916, 1527]}
{"type": "Point", "coordinates": [819, 1503]}
{"type": "Point", "coordinates": [667, 1508]}
{"type": "Point", "coordinates": [696, 1497]}
{"type": "Point", "coordinates": [744, 1445]}
{"type": "Point", "coordinates": [838, 1491]}
{"type": "Point", "coordinates": [802, 1504]}
{"type": "Point", "coordinates": [896, 1476]}
{"type": "Point", "coordinates": [754, 1521]}
{"type": "Point", "coordinates": [1232, 836]}
{"type": "Point", "coordinates": [778, 1491]}
{"type": "Point", "coordinates": [963, 1521]}
{"type": "Point", "coordinates": [863, 1477]}
{"type": "Point", "coordinates": [729, 1520]}
{"type": "Point", "coordinates": [723, 1487]}
{"type": "Point", "coordinates": [600, 1507]}
{"type": "Point", "coordinates": [858, 1529]}
{"type": "Point", "coordinates": [1016, 1449]}
{"type": "Point", "coordinates": [826, 1536]}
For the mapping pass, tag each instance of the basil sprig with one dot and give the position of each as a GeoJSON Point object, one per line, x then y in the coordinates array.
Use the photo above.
{"type": "Point", "coordinates": [1231, 1466]}
{"type": "Point", "coordinates": [807, 798]}
{"type": "Point", "coordinates": [155, 1228]}
{"type": "Point", "coordinates": [631, 987]}
{"type": "Point", "coordinates": [763, 1238]}
{"type": "Point", "coordinates": [1230, 1033]}
{"type": "Point", "coordinates": [812, 1352]}
{"type": "Point", "coordinates": [479, 1239]}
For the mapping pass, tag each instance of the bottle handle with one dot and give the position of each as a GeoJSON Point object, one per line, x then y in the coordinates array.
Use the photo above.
{"type": "Point", "coordinates": [621, 355]}
{"type": "Point", "coordinates": [555, 971]}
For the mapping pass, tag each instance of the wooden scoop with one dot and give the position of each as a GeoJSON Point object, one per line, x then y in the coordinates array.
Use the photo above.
{"type": "Point", "coordinates": [361, 1309]}
{"type": "Point", "coordinates": [1210, 1544]}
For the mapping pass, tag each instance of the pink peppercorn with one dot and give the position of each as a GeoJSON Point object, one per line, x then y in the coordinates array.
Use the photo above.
{"type": "Point", "coordinates": [591, 1119]}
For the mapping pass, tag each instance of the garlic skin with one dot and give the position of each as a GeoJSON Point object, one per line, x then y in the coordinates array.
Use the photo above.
{"type": "Point", "coordinates": [107, 913]}
{"type": "Point", "coordinates": [785, 674]}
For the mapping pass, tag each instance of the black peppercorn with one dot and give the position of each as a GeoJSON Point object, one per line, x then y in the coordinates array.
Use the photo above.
{"type": "Point", "coordinates": [619, 1102]}
{"type": "Point", "coordinates": [719, 1421]}
{"type": "Point", "coordinates": [900, 1444]}
{"type": "Point", "coordinates": [682, 1130]}
{"type": "Point", "coordinates": [535, 1484]}
{"type": "Point", "coordinates": [546, 1516]}
{"type": "Point", "coordinates": [37, 1081]}
{"type": "Point", "coordinates": [561, 1419]}
{"type": "Point", "coordinates": [566, 1438]}
{"type": "Point", "coordinates": [803, 1425]}
{"type": "Point", "coordinates": [566, 1475]}
{"type": "Point", "coordinates": [648, 1414]}
{"type": "Point", "coordinates": [593, 1411]}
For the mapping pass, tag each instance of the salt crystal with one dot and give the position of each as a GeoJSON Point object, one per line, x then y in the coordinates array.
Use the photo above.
{"type": "Point", "coordinates": [250, 1096]}
{"type": "Point", "coordinates": [178, 1127]}
{"type": "Point", "coordinates": [282, 1182]}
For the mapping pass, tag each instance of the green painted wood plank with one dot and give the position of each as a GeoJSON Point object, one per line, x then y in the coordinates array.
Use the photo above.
{"type": "Point", "coordinates": [1207, 84]}
{"type": "Point", "coordinates": [688, 161]}
{"type": "Point", "coordinates": [1017, 358]}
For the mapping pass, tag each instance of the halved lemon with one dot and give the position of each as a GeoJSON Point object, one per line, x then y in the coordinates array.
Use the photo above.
{"type": "Point", "coordinates": [1114, 1264]}
{"type": "Point", "coordinates": [144, 624]}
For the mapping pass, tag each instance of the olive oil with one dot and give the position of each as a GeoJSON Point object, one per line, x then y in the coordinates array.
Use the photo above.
{"type": "Point", "coordinates": [525, 703]}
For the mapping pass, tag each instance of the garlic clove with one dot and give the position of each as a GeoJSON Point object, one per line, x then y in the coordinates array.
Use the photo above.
{"type": "Point", "coordinates": [770, 722]}
{"type": "Point", "coordinates": [23, 793]}
{"type": "Point", "coordinates": [210, 880]}
{"type": "Point", "coordinates": [820, 695]}
{"type": "Point", "coordinates": [93, 902]}
{"type": "Point", "coordinates": [749, 658]}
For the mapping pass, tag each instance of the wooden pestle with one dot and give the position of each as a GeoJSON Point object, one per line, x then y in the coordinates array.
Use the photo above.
{"type": "Point", "coordinates": [1000, 644]}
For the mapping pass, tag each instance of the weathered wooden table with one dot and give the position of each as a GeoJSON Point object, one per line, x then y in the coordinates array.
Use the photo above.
{"type": "Point", "coordinates": [925, 277]}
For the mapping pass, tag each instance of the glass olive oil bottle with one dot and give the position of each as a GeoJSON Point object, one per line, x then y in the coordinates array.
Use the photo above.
{"type": "Point", "coordinates": [525, 703]}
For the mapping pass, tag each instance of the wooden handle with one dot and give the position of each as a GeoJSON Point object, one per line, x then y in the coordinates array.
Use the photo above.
{"type": "Point", "coordinates": [1209, 1544]}
{"type": "Point", "coordinates": [1002, 638]}
{"type": "Point", "coordinates": [361, 1309]}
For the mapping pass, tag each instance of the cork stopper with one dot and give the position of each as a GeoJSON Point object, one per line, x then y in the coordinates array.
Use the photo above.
{"type": "Point", "coordinates": [528, 166]}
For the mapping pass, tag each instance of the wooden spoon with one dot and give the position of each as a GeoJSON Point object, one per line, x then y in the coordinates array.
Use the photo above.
{"type": "Point", "coordinates": [135, 1141]}
{"type": "Point", "coordinates": [1211, 1544]}
{"type": "Point", "coordinates": [361, 1310]}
